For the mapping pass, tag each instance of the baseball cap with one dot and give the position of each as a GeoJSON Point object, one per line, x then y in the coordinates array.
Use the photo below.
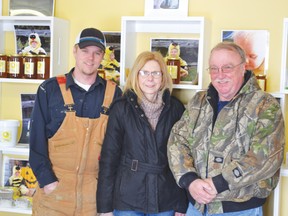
{"type": "Point", "coordinates": [91, 37]}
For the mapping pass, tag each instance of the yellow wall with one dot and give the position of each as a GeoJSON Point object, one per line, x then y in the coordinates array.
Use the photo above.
{"type": "Point", "coordinates": [222, 14]}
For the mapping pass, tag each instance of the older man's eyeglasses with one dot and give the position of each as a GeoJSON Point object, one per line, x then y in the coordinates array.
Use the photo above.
{"type": "Point", "coordinates": [225, 69]}
{"type": "Point", "coordinates": [155, 74]}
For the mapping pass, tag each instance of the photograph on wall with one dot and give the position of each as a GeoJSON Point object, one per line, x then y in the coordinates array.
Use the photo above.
{"type": "Point", "coordinates": [110, 65]}
{"type": "Point", "coordinates": [166, 8]}
{"type": "Point", "coordinates": [27, 104]}
{"type": "Point", "coordinates": [32, 40]}
{"type": "Point", "coordinates": [18, 177]}
{"type": "Point", "coordinates": [255, 43]}
{"type": "Point", "coordinates": [31, 7]}
{"type": "Point", "coordinates": [184, 49]}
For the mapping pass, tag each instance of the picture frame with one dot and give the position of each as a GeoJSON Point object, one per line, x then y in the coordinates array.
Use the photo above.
{"type": "Point", "coordinates": [256, 45]}
{"type": "Point", "coordinates": [27, 104]}
{"type": "Point", "coordinates": [22, 33]}
{"type": "Point", "coordinates": [31, 7]}
{"type": "Point", "coordinates": [188, 52]}
{"type": "Point", "coordinates": [178, 8]}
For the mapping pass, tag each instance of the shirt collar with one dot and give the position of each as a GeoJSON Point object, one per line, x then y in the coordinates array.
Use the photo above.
{"type": "Point", "coordinates": [70, 80]}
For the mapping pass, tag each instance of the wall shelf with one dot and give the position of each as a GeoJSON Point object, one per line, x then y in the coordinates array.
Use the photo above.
{"type": "Point", "coordinates": [136, 33]}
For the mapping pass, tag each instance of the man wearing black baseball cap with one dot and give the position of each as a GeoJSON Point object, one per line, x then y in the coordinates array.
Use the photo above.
{"type": "Point", "coordinates": [67, 129]}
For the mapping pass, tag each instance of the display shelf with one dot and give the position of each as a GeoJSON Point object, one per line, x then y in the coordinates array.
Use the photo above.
{"type": "Point", "coordinates": [59, 32]}
{"type": "Point", "coordinates": [16, 210]}
{"type": "Point", "coordinates": [12, 80]}
{"type": "Point", "coordinates": [20, 149]}
{"type": "Point", "coordinates": [136, 33]}
{"type": "Point", "coordinates": [284, 64]}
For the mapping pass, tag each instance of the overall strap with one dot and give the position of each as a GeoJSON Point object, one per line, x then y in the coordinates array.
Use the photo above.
{"type": "Point", "coordinates": [66, 93]}
{"type": "Point", "coordinates": [109, 95]}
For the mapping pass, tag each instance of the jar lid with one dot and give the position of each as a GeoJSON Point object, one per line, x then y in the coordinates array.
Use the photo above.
{"type": "Point", "coordinates": [43, 56]}
{"type": "Point", "coordinates": [174, 59]}
{"type": "Point", "coordinates": [15, 55]}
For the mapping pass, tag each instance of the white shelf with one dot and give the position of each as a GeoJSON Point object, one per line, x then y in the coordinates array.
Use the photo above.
{"type": "Point", "coordinates": [16, 210]}
{"type": "Point", "coordinates": [13, 80]}
{"type": "Point", "coordinates": [59, 43]}
{"type": "Point", "coordinates": [19, 149]}
{"type": "Point", "coordinates": [136, 33]}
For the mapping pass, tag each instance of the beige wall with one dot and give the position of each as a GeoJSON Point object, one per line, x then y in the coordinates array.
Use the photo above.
{"type": "Point", "coordinates": [222, 14]}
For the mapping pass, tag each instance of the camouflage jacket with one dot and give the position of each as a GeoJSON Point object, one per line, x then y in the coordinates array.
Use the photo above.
{"type": "Point", "coordinates": [241, 149]}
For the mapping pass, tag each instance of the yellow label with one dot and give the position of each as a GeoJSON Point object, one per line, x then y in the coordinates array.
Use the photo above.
{"type": "Point", "coordinates": [261, 83]}
{"type": "Point", "coordinates": [29, 68]}
{"type": "Point", "coordinates": [172, 70]}
{"type": "Point", "coordinates": [14, 67]}
{"type": "Point", "coordinates": [2, 66]}
{"type": "Point", "coordinates": [41, 67]}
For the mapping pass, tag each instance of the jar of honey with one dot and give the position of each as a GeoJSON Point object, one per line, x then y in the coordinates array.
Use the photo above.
{"type": "Point", "coordinates": [3, 62]}
{"type": "Point", "coordinates": [101, 73]}
{"type": "Point", "coordinates": [15, 66]}
{"type": "Point", "coordinates": [30, 66]}
{"type": "Point", "coordinates": [173, 68]}
{"type": "Point", "coordinates": [43, 67]}
{"type": "Point", "coordinates": [261, 79]}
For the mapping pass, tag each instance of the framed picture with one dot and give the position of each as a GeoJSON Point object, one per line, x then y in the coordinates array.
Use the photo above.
{"type": "Point", "coordinates": [188, 49]}
{"type": "Point", "coordinates": [256, 45]}
{"type": "Point", "coordinates": [16, 172]}
{"type": "Point", "coordinates": [177, 8]}
{"type": "Point", "coordinates": [32, 39]}
{"type": "Point", "coordinates": [110, 65]}
{"type": "Point", "coordinates": [31, 7]}
{"type": "Point", "coordinates": [27, 104]}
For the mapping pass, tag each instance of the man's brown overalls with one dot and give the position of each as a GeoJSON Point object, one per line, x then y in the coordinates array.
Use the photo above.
{"type": "Point", "coordinates": [74, 152]}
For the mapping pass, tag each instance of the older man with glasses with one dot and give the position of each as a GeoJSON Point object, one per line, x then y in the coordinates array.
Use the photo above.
{"type": "Point", "coordinates": [227, 148]}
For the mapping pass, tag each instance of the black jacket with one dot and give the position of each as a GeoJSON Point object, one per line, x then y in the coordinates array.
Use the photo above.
{"type": "Point", "coordinates": [134, 172]}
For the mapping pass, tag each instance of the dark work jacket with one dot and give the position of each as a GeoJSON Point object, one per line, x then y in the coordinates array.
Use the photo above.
{"type": "Point", "coordinates": [134, 172]}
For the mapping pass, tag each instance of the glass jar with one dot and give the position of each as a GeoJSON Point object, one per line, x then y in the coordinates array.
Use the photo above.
{"type": "Point", "coordinates": [3, 62]}
{"type": "Point", "coordinates": [15, 66]}
{"type": "Point", "coordinates": [43, 67]}
{"type": "Point", "coordinates": [30, 66]}
{"type": "Point", "coordinates": [261, 78]}
{"type": "Point", "coordinates": [173, 68]}
{"type": "Point", "coordinates": [101, 73]}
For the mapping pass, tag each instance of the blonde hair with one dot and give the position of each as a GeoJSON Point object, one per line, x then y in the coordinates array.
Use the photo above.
{"type": "Point", "coordinates": [132, 80]}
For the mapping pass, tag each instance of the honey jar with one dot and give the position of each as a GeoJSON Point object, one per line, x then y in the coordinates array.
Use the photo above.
{"type": "Point", "coordinates": [30, 66]}
{"type": "Point", "coordinates": [3, 62]}
{"type": "Point", "coordinates": [261, 79]}
{"type": "Point", "coordinates": [101, 73]}
{"type": "Point", "coordinates": [43, 67]}
{"type": "Point", "coordinates": [15, 66]}
{"type": "Point", "coordinates": [173, 68]}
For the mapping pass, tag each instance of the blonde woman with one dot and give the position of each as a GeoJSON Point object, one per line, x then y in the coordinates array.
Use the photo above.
{"type": "Point", "coordinates": [134, 177]}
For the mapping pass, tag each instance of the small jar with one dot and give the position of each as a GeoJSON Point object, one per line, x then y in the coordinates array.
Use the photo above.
{"type": "Point", "coordinates": [101, 73]}
{"type": "Point", "coordinates": [15, 66]}
{"type": "Point", "coordinates": [30, 66]}
{"type": "Point", "coordinates": [43, 67]}
{"type": "Point", "coordinates": [261, 78]}
{"type": "Point", "coordinates": [3, 63]}
{"type": "Point", "coordinates": [173, 68]}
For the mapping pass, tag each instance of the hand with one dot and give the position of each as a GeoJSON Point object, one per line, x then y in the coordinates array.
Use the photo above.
{"type": "Point", "coordinates": [106, 214]}
{"type": "Point", "coordinates": [50, 187]}
{"type": "Point", "coordinates": [201, 191]}
{"type": "Point", "coordinates": [179, 214]}
{"type": "Point", "coordinates": [210, 182]}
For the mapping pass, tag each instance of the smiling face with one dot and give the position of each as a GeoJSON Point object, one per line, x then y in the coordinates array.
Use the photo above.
{"type": "Point", "coordinates": [150, 85]}
{"type": "Point", "coordinates": [227, 84]}
{"type": "Point", "coordinates": [88, 60]}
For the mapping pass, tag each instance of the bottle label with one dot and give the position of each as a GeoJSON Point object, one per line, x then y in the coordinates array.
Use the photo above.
{"type": "Point", "coordinates": [262, 83]}
{"type": "Point", "coordinates": [2, 66]}
{"type": "Point", "coordinates": [173, 71]}
{"type": "Point", "coordinates": [29, 68]}
{"type": "Point", "coordinates": [41, 67]}
{"type": "Point", "coordinates": [14, 67]}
